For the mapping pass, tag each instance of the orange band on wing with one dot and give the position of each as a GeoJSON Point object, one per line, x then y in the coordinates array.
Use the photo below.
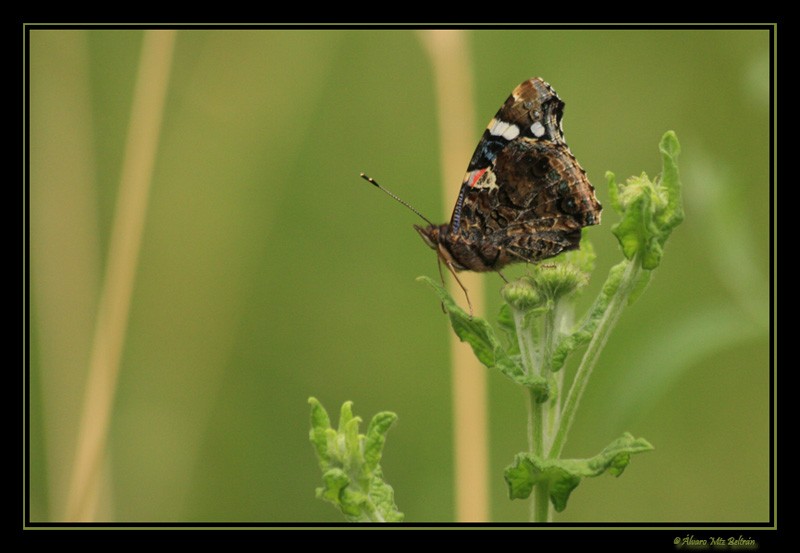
{"type": "Point", "coordinates": [476, 175]}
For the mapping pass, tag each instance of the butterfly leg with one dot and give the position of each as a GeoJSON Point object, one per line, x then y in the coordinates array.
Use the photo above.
{"type": "Point", "coordinates": [499, 251]}
{"type": "Point", "coordinates": [441, 278]}
{"type": "Point", "coordinates": [458, 280]}
{"type": "Point", "coordinates": [455, 276]}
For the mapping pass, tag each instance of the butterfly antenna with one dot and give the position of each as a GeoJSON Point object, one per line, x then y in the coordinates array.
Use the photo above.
{"type": "Point", "coordinates": [375, 183]}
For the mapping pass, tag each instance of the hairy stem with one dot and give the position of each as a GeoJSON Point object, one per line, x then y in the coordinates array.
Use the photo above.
{"type": "Point", "coordinates": [607, 322]}
{"type": "Point", "coordinates": [539, 431]}
{"type": "Point", "coordinates": [536, 429]}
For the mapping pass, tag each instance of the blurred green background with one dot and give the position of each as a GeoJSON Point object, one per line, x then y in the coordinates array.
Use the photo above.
{"type": "Point", "coordinates": [270, 272]}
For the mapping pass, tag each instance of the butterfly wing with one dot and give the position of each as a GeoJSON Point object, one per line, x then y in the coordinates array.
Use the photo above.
{"type": "Point", "coordinates": [524, 190]}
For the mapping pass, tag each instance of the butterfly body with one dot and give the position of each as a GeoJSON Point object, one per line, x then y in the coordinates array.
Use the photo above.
{"type": "Point", "coordinates": [524, 196]}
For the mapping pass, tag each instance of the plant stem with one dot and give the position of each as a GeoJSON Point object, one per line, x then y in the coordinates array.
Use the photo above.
{"type": "Point", "coordinates": [539, 507]}
{"type": "Point", "coordinates": [610, 317]}
{"type": "Point", "coordinates": [539, 431]}
{"type": "Point", "coordinates": [541, 503]}
{"type": "Point", "coordinates": [549, 337]}
{"type": "Point", "coordinates": [536, 429]}
{"type": "Point", "coordinates": [528, 354]}
{"type": "Point", "coordinates": [547, 342]}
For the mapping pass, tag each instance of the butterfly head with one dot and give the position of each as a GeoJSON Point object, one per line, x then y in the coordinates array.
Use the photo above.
{"type": "Point", "coordinates": [449, 247]}
{"type": "Point", "coordinates": [431, 234]}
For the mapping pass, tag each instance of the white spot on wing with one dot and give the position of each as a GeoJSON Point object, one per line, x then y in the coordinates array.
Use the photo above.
{"type": "Point", "coordinates": [498, 128]}
{"type": "Point", "coordinates": [537, 129]}
{"type": "Point", "coordinates": [511, 132]}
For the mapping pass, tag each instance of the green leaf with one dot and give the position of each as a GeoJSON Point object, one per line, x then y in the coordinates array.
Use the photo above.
{"type": "Point", "coordinates": [529, 470]}
{"type": "Point", "coordinates": [672, 215]}
{"type": "Point", "coordinates": [350, 462]}
{"type": "Point", "coordinates": [522, 475]}
{"type": "Point", "coordinates": [543, 388]}
{"type": "Point", "coordinates": [562, 476]}
{"type": "Point", "coordinates": [376, 438]}
{"type": "Point", "coordinates": [335, 481]}
{"type": "Point", "coordinates": [381, 495]}
{"type": "Point", "coordinates": [478, 333]}
{"type": "Point", "coordinates": [345, 415]}
{"type": "Point", "coordinates": [649, 210]}
{"type": "Point", "coordinates": [505, 320]}
{"type": "Point", "coordinates": [350, 442]}
{"type": "Point", "coordinates": [320, 422]}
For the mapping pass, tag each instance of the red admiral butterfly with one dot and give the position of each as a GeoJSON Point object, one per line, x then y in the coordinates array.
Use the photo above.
{"type": "Point", "coordinates": [524, 196]}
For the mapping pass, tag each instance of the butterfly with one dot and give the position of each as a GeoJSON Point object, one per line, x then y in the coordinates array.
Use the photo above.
{"type": "Point", "coordinates": [524, 197]}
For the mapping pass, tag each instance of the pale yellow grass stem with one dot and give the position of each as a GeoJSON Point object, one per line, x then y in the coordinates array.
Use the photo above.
{"type": "Point", "coordinates": [117, 286]}
{"type": "Point", "coordinates": [450, 59]}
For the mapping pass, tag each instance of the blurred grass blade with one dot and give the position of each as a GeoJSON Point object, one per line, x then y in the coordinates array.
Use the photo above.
{"type": "Point", "coordinates": [64, 256]}
{"type": "Point", "coordinates": [451, 63]}
{"type": "Point", "coordinates": [117, 287]}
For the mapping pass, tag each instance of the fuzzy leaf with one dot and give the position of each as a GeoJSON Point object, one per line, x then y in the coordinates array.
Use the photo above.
{"type": "Point", "coordinates": [376, 438]}
{"type": "Point", "coordinates": [672, 215]}
{"type": "Point", "coordinates": [345, 415]}
{"type": "Point", "coordinates": [505, 319]}
{"type": "Point", "coordinates": [350, 462]}
{"type": "Point", "coordinates": [478, 333]}
{"type": "Point", "coordinates": [320, 422]}
{"type": "Point", "coordinates": [562, 476]}
{"type": "Point", "coordinates": [649, 210]}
